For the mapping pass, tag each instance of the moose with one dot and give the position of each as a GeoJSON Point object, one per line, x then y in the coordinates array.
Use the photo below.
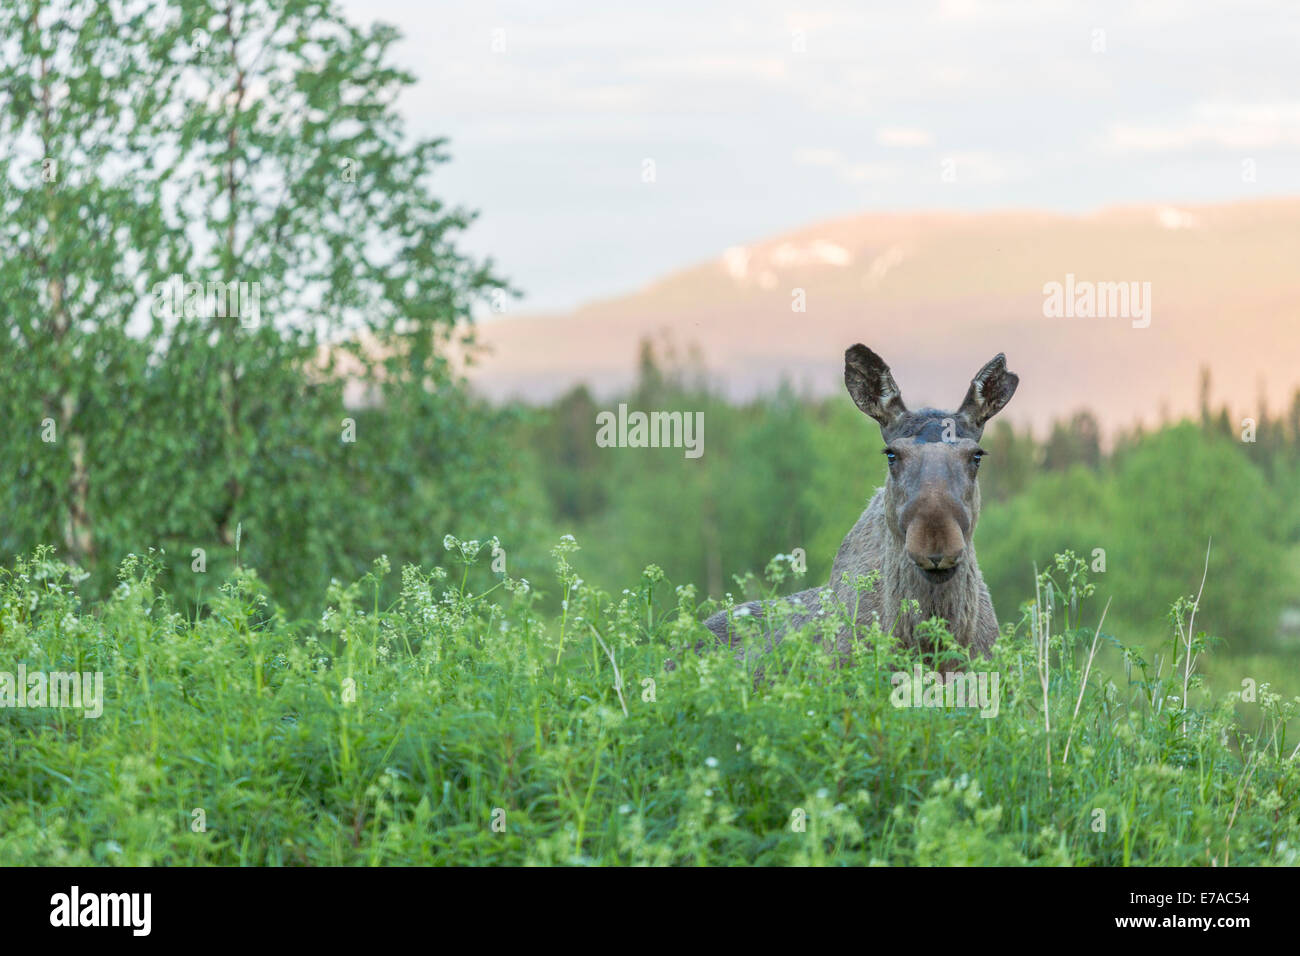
{"type": "Point", "coordinates": [917, 530]}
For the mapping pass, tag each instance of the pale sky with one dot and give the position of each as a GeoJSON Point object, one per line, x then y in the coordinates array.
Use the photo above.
{"type": "Point", "coordinates": [762, 117]}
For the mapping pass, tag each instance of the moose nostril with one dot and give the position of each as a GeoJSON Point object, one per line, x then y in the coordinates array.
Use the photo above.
{"type": "Point", "coordinates": [935, 560]}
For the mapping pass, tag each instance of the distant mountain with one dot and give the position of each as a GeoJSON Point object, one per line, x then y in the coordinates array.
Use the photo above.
{"type": "Point", "coordinates": [937, 294]}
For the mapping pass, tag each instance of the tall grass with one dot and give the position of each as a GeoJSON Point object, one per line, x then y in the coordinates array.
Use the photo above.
{"type": "Point", "coordinates": [469, 728]}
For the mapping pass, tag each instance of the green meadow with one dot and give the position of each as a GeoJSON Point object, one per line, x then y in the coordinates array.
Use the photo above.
{"type": "Point", "coordinates": [454, 725]}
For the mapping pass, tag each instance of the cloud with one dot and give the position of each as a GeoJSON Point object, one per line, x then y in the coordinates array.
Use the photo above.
{"type": "Point", "coordinates": [983, 167]}
{"type": "Point", "coordinates": [846, 169]}
{"type": "Point", "coordinates": [903, 137]}
{"type": "Point", "coordinates": [818, 157]}
{"type": "Point", "coordinates": [1221, 125]}
{"type": "Point", "coordinates": [708, 66]}
{"type": "Point", "coordinates": [990, 11]}
{"type": "Point", "coordinates": [871, 173]}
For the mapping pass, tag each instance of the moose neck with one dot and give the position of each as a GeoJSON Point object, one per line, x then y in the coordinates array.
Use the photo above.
{"type": "Point", "coordinates": [956, 600]}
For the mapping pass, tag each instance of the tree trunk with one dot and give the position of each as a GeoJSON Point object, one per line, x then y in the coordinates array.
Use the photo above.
{"type": "Point", "coordinates": [78, 531]}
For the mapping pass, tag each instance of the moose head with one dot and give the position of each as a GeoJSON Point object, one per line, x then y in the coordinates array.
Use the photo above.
{"type": "Point", "coordinates": [932, 498]}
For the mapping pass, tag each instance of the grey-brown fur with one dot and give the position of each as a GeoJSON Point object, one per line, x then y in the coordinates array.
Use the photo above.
{"type": "Point", "coordinates": [916, 531]}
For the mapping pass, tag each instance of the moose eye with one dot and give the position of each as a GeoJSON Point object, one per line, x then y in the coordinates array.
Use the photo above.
{"type": "Point", "coordinates": [890, 455]}
{"type": "Point", "coordinates": [976, 458]}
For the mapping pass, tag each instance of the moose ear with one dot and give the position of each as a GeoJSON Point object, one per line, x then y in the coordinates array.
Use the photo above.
{"type": "Point", "coordinates": [989, 392]}
{"type": "Point", "coordinates": [871, 385]}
